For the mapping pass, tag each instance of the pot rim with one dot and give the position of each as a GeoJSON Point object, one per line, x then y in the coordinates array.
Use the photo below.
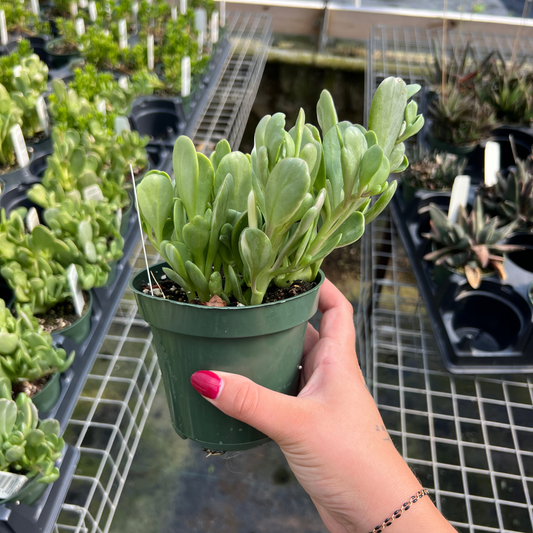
{"type": "Point", "coordinates": [80, 318]}
{"type": "Point", "coordinates": [54, 377]}
{"type": "Point", "coordinates": [320, 277]}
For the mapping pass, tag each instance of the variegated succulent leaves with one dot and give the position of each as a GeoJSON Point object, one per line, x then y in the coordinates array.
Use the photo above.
{"type": "Point", "coordinates": [233, 224]}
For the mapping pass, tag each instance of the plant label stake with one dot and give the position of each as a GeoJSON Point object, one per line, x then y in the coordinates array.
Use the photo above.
{"type": "Point", "coordinates": [101, 107]}
{"type": "Point", "coordinates": [122, 34]}
{"type": "Point", "coordinates": [135, 10]}
{"type": "Point", "coordinates": [186, 76]}
{"type": "Point", "coordinates": [36, 8]}
{"type": "Point", "coordinates": [21, 152]}
{"type": "Point", "coordinates": [10, 484]}
{"type": "Point", "coordinates": [42, 113]}
{"type": "Point", "coordinates": [150, 52]}
{"type": "Point", "coordinates": [492, 163]}
{"type": "Point", "coordinates": [118, 217]}
{"type": "Point", "coordinates": [200, 44]}
{"type": "Point", "coordinates": [73, 9]}
{"type": "Point", "coordinates": [122, 124]}
{"type": "Point", "coordinates": [141, 230]}
{"type": "Point", "coordinates": [80, 27]}
{"type": "Point", "coordinates": [93, 13]}
{"type": "Point", "coordinates": [183, 7]}
{"type": "Point", "coordinates": [460, 189]}
{"type": "Point", "coordinates": [32, 219]}
{"type": "Point", "coordinates": [123, 82]}
{"type": "Point", "coordinates": [174, 13]}
{"type": "Point", "coordinates": [83, 4]}
{"type": "Point", "coordinates": [214, 28]}
{"type": "Point", "coordinates": [222, 13]}
{"type": "Point", "coordinates": [93, 192]}
{"type": "Point", "coordinates": [16, 71]}
{"type": "Point", "coordinates": [75, 290]}
{"type": "Point", "coordinates": [200, 20]}
{"type": "Point", "coordinates": [3, 28]}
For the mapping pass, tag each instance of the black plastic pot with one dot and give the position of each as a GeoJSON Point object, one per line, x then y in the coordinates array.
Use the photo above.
{"type": "Point", "coordinates": [19, 174]}
{"type": "Point", "coordinates": [9, 48]}
{"type": "Point", "coordinates": [38, 43]}
{"type": "Point", "coordinates": [59, 60]}
{"type": "Point", "coordinates": [523, 259]}
{"type": "Point", "coordinates": [160, 119]}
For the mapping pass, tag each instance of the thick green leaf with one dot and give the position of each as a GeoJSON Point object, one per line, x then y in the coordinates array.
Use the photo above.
{"type": "Point", "coordinates": [370, 165]}
{"type": "Point", "coordinates": [326, 112]}
{"type": "Point", "coordinates": [198, 281]}
{"type": "Point", "coordinates": [185, 162]}
{"type": "Point", "coordinates": [332, 159]}
{"type": "Point", "coordinates": [381, 203]}
{"type": "Point", "coordinates": [196, 238]}
{"type": "Point", "coordinates": [222, 149]}
{"type": "Point", "coordinates": [238, 165]}
{"type": "Point", "coordinates": [256, 251]}
{"type": "Point", "coordinates": [351, 229]}
{"type": "Point", "coordinates": [274, 137]}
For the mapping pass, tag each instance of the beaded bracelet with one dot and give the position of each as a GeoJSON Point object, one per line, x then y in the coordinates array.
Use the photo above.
{"type": "Point", "coordinates": [405, 507]}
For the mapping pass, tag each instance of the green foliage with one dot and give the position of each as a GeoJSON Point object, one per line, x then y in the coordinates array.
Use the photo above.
{"type": "Point", "coordinates": [19, 19]}
{"type": "Point", "coordinates": [10, 61]}
{"type": "Point", "coordinates": [100, 48]}
{"type": "Point", "coordinates": [67, 30]}
{"type": "Point", "coordinates": [273, 216]}
{"type": "Point", "coordinates": [471, 245]}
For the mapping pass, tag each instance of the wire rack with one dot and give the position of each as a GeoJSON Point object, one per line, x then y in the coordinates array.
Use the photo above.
{"type": "Point", "coordinates": [469, 439]}
{"type": "Point", "coordinates": [112, 410]}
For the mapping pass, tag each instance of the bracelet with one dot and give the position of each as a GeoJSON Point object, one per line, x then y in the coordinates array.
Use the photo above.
{"type": "Point", "coordinates": [405, 507]}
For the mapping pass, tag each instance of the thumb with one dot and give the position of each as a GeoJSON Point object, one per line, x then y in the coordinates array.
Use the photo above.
{"type": "Point", "coordinates": [272, 413]}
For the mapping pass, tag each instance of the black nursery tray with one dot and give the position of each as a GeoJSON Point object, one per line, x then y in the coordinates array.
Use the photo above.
{"type": "Point", "coordinates": [42, 515]}
{"type": "Point", "coordinates": [488, 330]}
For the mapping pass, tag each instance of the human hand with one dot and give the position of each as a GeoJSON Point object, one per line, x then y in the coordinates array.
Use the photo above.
{"type": "Point", "coordinates": [332, 434]}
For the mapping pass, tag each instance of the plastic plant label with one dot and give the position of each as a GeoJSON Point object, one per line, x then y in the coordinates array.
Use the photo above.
{"type": "Point", "coordinates": [42, 113]}
{"type": "Point", "coordinates": [16, 71]}
{"type": "Point", "coordinates": [183, 7]}
{"type": "Point", "coordinates": [32, 219]}
{"type": "Point", "coordinates": [186, 76]}
{"type": "Point", "coordinates": [492, 163]}
{"type": "Point", "coordinates": [83, 4]}
{"type": "Point", "coordinates": [174, 13]}
{"type": "Point", "coordinates": [75, 290]}
{"type": "Point", "coordinates": [74, 9]}
{"type": "Point", "coordinates": [80, 27]}
{"type": "Point", "coordinates": [123, 82]}
{"type": "Point", "coordinates": [135, 10]}
{"type": "Point", "coordinates": [150, 51]}
{"type": "Point", "coordinates": [200, 20]}
{"type": "Point", "coordinates": [35, 7]}
{"type": "Point", "coordinates": [3, 28]}
{"type": "Point", "coordinates": [101, 107]}
{"type": "Point", "coordinates": [200, 43]}
{"type": "Point", "coordinates": [122, 34]}
{"type": "Point", "coordinates": [21, 152]}
{"type": "Point", "coordinates": [214, 28]}
{"type": "Point", "coordinates": [222, 13]}
{"type": "Point", "coordinates": [119, 217]}
{"type": "Point", "coordinates": [459, 197]}
{"type": "Point", "coordinates": [122, 124]}
{"type": "Point", "coordinates": [10, 484]}
{"type": "Point", "coordinates": [93, 192]}
{"type": "Point", "coordinates": [93, 13]}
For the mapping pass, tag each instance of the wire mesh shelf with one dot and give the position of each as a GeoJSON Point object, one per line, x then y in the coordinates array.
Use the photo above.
{"type": "Point", "coordinates": [112, 410]}
{"type": "Point", "coordinates": [469, 439]}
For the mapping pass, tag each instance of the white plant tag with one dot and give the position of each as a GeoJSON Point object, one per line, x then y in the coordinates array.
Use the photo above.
{"type": "Point", "coordinates": [149, 2]}
{"type": "Point", "coordinates": [16, 71]}
{"type": "Point", "coordinates": [123, 82]}
{"type": "Point", "coordinates": [35, 7]}
{"type": "Point", "coordinates": [183, 7]}
{"type": "Point", "coordinates": [122, 34]}
{"type": "Point", "coordinates": [32, 219]}
{"type": "Point", "coordinates": [83, 4]}
{"type": "Point", "coordinates": [200, 20]}
{"type": "Point", "coordinates": [186, 76]}
{"type": "Point", "coordinates": [200, 43]}
{"type": "Point", "coordinates": [135, 10]}
{"type": "Point", "coordinates": [42, 113]}
{"type": "Point", "coordinates": [73, 9]}
{"type": "Point", "coordinates": [460, 189]}
{"type": "Point", "coordinates": [101, 107]}
{"type": "Point", "coordinates": [174, 13]}
{"type": "Point", "coordinates": [75, 289]}
{"type": "Point", "coordinates": [122, 124]}
{"type": "Point", "coordinates": [222, 13]}
{"type": "Point", "coordinates": [119, 217]}
{"type": "Point", "coordinates": [150, 51]}
{"type": "Point", "coordinates": [80, 27]}
{"type": "Point", "coordinates": [93, 12]}
{"type": "Point", "coordinates": [3, 28]}
{"type": "Point", "coordinates": [492, 163]}
{"type": "Point", "coordinates": [10, 484]}
{"type": "Point", "coordinates": [19, 144]}
{"type": "Point", "coordinates": [93, 192]}
{"type": "Point", "coordinates": [214, 28]}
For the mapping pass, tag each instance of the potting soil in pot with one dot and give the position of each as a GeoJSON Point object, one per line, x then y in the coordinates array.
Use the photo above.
{"type": "Point", "coordinates": [61, 316]}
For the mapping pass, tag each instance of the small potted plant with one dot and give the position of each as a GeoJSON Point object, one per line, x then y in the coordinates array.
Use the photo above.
{"type": "Point", "coordinates": [29, 447]}
{"type": "Point", "coordinates": [243, 238]}
{"type": "Point", "coordinates": [10, 115]}
{"type": "Point", "coordinates": [472, 246]}
{"type": "Point", "coordinates": [66, 47]}
{"type": "Point", "coordinates": [29, 359]}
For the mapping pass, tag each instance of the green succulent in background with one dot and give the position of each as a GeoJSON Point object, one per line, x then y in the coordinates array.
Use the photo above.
{"type": "Point", "coordinates": [435, 171]}
{"type": "Point", "coordinates": [511, 198]}
{"type": "Point", "coordinates": [100, 48]}
{"type": "Point", "coordinates": [27, 352]}
{"type": "Point", "coordinates": [10, 61]}
{"type": "Point", "coordinates": [10, 115]}
{"type": "Point", "coordinates": [21, 20]}
{"type": "Point", "coordinates": [67, 31]}
{"type": "Point", "coordinates": [275, 215]}
{"type": "Point", "coordinates": [59, 9]}
{"type": "Point", "coordinates": [470, 246]}
{"type": "Point", "coordinates": [27, 446]}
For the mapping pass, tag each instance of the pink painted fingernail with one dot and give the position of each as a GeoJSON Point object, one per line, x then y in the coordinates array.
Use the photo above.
{"type": "Point", "coordinates": [206, 383]}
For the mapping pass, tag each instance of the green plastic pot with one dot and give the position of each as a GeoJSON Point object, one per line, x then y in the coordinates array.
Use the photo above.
{"type": "Point", "coordinates": [46, 398]}
{"type": "Point", "coordinates": [59, 60]}
{"type": "Point", "coordinates": [28, 494]}
{"type": "Point", "coordinates": [80, 330]}
{"type": "Point", "coordinates": [263, 342]}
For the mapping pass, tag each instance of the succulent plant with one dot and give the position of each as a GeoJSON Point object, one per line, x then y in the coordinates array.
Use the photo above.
{"type": "Point", "coordinates": [275, 215]}
{"type": "Point", "coordinates": [10, 115]}
{"type": "Point", "coordinates": [10, 61]}
{"type": "Point", "coordinates": [433, 171]}
{"type": "Point", "coordinates": [20, 20]}
{"type": "Point", "coordinates": [511, 198]}
{"type": "Point", "coordinates": [27, 446]}
{"type": "Point", "coordinates": [470, 246]}
{"type": "Point", "coordinates": [67, 30]}
{"type": "Point", "coordinates": [27, 352]}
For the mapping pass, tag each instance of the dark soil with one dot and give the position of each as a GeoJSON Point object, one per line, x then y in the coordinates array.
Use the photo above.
{"type": "Point", "coordinates": [31, 388]}
{"type": "Point", "coordinates": [62, 48]}
{"type": "Point", "coordinates": [37, 138]}
{"type": "Point", "coordinates": [8, 168]}
{"type": "Point", "coordinates": [175, 293]}
{"type": "Point", "coordinates": [61, 316]}
{"type": "Point", "coordinates": [136, 172]}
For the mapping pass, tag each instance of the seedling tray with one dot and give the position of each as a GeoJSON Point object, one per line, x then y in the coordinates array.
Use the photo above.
{"type": "Point", "coordinates": [483, 331]}
{"type": "Point", "coordinates": [42, 515]}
